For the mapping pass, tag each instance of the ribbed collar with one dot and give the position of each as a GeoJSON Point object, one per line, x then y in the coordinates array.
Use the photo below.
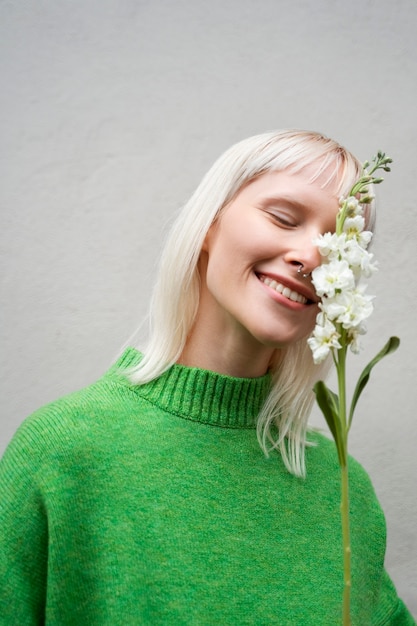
{"type": "Point", "coordinates": [202, 395]}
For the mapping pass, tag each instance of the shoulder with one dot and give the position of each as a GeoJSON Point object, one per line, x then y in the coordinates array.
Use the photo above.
{"type": "Point", "coordinates": [322, 463]}
{"type": "Point", "coordinates": [323, 452]}
{"type": "Point", "coordinates": [64, 424]}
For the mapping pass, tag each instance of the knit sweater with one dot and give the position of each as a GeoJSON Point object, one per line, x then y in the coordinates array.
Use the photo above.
{"type": "Point", "coordinates": [154, 505]}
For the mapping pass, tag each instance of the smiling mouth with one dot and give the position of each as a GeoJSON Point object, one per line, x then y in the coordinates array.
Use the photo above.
{"type": "Point", "coordinates": [285, 291]}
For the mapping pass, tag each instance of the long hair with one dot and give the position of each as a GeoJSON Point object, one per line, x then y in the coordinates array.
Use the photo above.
{"type": "Point", "coordinates": [175, 298]}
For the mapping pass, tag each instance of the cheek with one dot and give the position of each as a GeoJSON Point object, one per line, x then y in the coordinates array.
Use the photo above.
{"type": "Point", "coordinates": [311, 316]}
{"type": "Point", "coordinates": [225, 250]}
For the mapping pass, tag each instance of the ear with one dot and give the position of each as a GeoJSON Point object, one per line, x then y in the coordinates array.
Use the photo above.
{"type": "Point", "coordinates": [211, 231]}
{"type": "Point", "coordinates": [205, 246]}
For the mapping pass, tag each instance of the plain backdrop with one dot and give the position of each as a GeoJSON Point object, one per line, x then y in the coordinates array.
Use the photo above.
{"type": "Point", "coordinates": [111, 112]}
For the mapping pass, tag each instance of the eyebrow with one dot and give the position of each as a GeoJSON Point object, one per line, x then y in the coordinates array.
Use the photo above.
{"type": "Point", "coordinates": [289, 202]}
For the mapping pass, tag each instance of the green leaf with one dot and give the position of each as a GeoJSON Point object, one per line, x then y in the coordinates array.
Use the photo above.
{"type": "Point", "coordinates": [391, 345]}
{"type": "Point", "coordinates": [328, 402]}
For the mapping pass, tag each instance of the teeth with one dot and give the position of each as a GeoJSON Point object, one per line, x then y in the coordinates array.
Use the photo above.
{"type": "Point", "coordinates": [285, 291]}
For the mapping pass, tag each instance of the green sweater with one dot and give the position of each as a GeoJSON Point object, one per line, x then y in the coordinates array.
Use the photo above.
{"type": "Point", "coordinates": [154, 505]}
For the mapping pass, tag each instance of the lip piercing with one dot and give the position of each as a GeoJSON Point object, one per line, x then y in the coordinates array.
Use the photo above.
{"type": "Point", "coordinates": [300, 271]}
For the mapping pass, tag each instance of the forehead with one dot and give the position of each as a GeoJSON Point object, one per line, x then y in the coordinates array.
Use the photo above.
{"type": "Point", "coordinates": [300, 187]}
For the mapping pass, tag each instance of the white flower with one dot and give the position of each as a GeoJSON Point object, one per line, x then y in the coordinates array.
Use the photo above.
{"type": "Point", "coordinates": [364, 238]}
{"type": "Point", "coordinates": [348, 308]}
{"type": "Point", "coordinates": [352, 226]}
{"type": "Point", "coordinates": [353, 205]}
{"type": "Point", "coordinates": [354, 229]}
{"type": "Point", "coordinates": [331, 278]}
{"type": "Point", "coordinates": [331, 245]}
{"type": "Point", "coordinates": [332, 308]}
{"type": "Point", "coordinates": [359, 259]}
{"type": "Point", "coordinates": [368, 267]}
{"type": "Point", "coordinates": [324, 338]}
{"type": "Point", "coordinates": [353, 338]}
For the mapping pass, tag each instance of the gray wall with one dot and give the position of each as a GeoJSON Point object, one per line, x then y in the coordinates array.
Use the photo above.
{"type": "Point", "coordinates": [111, 112]}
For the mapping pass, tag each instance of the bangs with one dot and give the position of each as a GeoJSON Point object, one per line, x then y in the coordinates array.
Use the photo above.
{"type": "Point", "coordinates": [334, 165]}
{"type": "Point", "coordinates": [335, 170]}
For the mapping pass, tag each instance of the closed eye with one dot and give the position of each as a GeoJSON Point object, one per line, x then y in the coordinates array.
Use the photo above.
{"type": "Point", "coordinates": [286, 212]}
{"type": "Point", "coordinates": [283, 220]}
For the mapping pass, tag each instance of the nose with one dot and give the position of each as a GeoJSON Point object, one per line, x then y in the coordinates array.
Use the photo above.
{"type": "Point", "coordinates": [304, 257]}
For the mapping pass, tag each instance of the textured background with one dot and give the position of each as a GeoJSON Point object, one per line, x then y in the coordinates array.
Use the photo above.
{"type": "Point", "coordinates": [112, 110]}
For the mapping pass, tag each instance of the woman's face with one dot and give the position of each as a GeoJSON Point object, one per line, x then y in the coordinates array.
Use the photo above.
{"type": "Point", "coordinates": [251, 289]}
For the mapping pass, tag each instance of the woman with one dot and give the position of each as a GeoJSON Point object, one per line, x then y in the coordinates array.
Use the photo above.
{"type": "Point", "coordinates": [145, 498]}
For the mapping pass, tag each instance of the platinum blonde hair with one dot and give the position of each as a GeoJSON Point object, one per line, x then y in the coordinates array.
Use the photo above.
{"type": "Point", "coordinates": [282, 422]}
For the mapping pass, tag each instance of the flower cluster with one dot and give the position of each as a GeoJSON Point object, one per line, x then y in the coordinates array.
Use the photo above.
{"type": "Point", "coordinates": [344, 303]}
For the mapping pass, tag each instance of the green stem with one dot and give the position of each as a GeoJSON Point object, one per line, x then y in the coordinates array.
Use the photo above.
{"type": "Point", "coordinates": [344, 509]}
{"type": "Point", "coordinates": [344, 506]}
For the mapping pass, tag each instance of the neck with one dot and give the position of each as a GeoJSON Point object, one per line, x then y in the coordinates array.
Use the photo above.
{"type": "Point", "coordinates": [232, 352]}
{"type": "Point", "coordinates": [227, 361]}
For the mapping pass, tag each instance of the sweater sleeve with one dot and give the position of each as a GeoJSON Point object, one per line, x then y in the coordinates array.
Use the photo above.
{"type": "Point", "coordinates": [23, 535]}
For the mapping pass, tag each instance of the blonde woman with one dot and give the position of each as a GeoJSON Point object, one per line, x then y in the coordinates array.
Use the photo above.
{"type": "Point", "coordinates": [184, 487]}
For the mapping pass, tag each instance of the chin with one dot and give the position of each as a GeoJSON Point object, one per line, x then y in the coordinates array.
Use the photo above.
{"type": "Point", "coordinates": [278, 343]}
{"type": "Point", "coordinates": [281, 332]}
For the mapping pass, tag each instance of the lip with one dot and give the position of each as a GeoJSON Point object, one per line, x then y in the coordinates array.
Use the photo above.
{"type": "Point", "coordinates": [303, 290]}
